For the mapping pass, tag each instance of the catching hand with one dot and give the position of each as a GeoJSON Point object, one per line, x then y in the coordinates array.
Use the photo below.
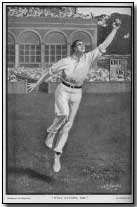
{"type": "Point", "coordinates": [31, 87]}
{"type": "Point", "coordinates": [116, 24]}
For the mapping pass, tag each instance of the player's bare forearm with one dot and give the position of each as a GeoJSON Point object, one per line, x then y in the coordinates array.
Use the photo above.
{"type": "Point", "coordinates": [110, 37]}
{"type": "Point", "coordinates": [34, 86]}
{"type": "Point", "coordinates": [42, 78]}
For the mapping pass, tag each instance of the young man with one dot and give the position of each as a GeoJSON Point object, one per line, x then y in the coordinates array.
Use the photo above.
{"type": "Point", "coordinates": [75, 70]}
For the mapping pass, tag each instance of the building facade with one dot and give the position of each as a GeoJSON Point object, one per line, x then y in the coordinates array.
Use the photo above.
{"type": "Point", "coordinates": [37, 41]}
{"type": "Point", "coordinates": [37, 37]}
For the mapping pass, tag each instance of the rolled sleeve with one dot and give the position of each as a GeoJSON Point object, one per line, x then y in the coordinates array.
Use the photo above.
{"type": "Point", "coordinates": [102, 49]}
{"type": "Point", "coordinates": [57, 67]}
{"type": "Point", "coordinates": [96, 53]}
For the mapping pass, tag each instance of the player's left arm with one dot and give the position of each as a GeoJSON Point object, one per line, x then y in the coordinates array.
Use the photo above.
{"type": "Point", "coordinates": [110, 37]}
{"type": "Point", "coordinates": [101, 49]}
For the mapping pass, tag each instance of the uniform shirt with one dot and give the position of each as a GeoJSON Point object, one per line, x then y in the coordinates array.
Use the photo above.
{"type": "Point", "coordinates": [75, 71]}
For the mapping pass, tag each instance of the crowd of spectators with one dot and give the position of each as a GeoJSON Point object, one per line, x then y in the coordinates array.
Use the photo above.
{"type": "Point", "coordinates": [14, 75]}
{"type": "Point", "coordinates": [45, 12]}
{"type": "Point", "coordinates": [98, 74]}
{"type": "Point", "coordinates": [20, 73]}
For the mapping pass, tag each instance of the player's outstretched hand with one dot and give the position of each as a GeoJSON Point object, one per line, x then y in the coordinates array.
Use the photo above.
{"type": "Point", "coordinates": [32, 87]}
{"type": "Point", "coordinates": [116, 24]}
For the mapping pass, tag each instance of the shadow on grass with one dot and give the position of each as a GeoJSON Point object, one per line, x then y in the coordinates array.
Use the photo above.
{"type": "Point", "coordinates": [31, 173]}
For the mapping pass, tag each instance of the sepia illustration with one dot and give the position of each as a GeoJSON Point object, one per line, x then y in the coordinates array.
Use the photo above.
{"type": "Point", "coordinates": [69, 102]}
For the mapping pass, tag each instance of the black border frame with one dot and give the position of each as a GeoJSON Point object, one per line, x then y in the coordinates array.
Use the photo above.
{"type": "Point", "coordinates": [132, 92]}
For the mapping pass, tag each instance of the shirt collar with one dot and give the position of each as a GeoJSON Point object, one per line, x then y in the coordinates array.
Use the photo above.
{"type": "Point", "coordinates": [76, 58]}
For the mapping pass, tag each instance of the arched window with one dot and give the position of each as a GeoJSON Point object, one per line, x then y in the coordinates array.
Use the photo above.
{"type": "Point", "coordinates": [55, 47]}
{"type": "Point", "coordinates": [29, 49]}
{"type": "Point", "coordinates": [11, 50]}
{"type": "Point", "coordinates": [83, 36]}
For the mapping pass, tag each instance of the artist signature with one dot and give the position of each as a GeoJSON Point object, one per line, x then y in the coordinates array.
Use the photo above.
{"type": "Point", "coordinates": [111, 186]}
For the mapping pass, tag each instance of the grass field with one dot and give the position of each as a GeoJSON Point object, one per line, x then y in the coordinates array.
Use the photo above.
{"type": "Point", "coordinates": [96, 159]}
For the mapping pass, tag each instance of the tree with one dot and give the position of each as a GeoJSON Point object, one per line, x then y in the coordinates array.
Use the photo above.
{"type": "Point", "coordinates": [122, 42]}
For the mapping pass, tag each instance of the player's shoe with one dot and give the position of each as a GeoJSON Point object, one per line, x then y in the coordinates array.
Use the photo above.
{"type": "Point", "coordinates": [57, 163]}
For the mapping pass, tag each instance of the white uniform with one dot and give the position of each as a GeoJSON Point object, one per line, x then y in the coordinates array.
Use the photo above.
{"type": "Point", "coordinates": [67, 99]}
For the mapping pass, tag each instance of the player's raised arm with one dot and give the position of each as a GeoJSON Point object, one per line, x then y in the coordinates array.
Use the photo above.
{"type": "Point", "coordinates": [110, 37]}
{"type": "Point", "coordinates": [101, 49]}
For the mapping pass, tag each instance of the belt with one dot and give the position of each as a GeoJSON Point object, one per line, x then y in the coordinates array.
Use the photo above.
{"type": "Point", "coordinates": [71, 86]}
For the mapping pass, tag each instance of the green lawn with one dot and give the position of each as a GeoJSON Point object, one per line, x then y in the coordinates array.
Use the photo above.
{"type": "Point", "coordinates": [96, 159]}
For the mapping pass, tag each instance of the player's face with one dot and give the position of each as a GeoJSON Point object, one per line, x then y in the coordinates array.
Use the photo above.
{"type": "Point", "coordinates": [80, 47]}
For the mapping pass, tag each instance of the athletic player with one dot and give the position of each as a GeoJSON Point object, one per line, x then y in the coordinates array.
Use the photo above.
{"type": "Point", "coordinates": [75, 70]}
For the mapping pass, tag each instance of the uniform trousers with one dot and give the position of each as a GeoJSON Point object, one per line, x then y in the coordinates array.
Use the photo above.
{"type": "Point", "coordinates": [67, 102]}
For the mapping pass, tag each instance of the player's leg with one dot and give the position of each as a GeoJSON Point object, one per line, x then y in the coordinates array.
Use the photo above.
{"type": "Point", "coordinates": [61, 111]}
{"type": "Point", "coordinates": [63, 134]}
{"type": "Point", "coordinates": [53, 129]}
